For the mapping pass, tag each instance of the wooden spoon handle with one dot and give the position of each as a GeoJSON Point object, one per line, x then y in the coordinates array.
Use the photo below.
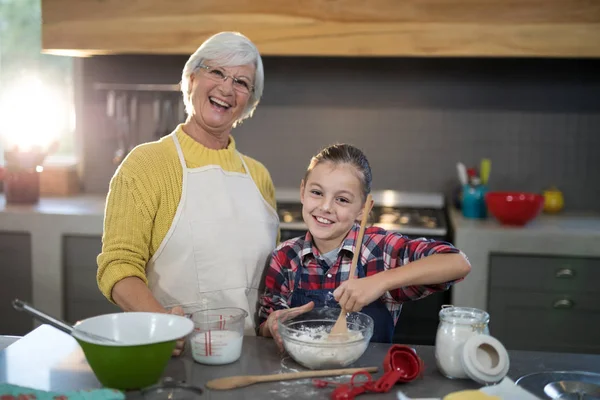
{"type": "Point", "coordinates": [233, 382]}
{"type": "Point", "coordinates": [313, 374]}
{"type": "Point", "coordinates": [359, 238]}
{"type": "Point", "coordinates": [340, 324]}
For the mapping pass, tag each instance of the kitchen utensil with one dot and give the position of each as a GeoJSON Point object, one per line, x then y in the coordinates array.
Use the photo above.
{"type": "Point", "coordinates": [305, 338]}
{"type": "Point", "coordinates": [401, 364]}
{"type": "Point", "coordinates": [218, 334]}
{"type": "Point", "coordinates": [247, 380]}
{"type": "Point", "coordinates": [553, 200]}
{"type": "Point", "coordinates": [340, 329]}
{"type": "Point", "coordinates": [146, 343]}
{"type": "Point", "coordinates": [63, 326]}
{"type": "Point", "coordinates": [125, 350]}
{"type": "Point", "coordinates": [484, 170]}
{"type": "Point", "coordinates": [462, 173]}
{"type": "Point", "coordinates": [561, 384]}
{"type": "Point", "coordinates": [514, 208]}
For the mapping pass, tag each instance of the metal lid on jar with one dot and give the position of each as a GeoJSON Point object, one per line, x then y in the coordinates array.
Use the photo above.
{"type": "Point", "coordinates": [485, 359]}
{"type": "Point", "coordinates": [168, 389]}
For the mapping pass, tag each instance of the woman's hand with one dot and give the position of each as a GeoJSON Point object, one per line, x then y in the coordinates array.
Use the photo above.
{"type": "Point", "coordinates": [270, 328]}
{"type": "Point", "coordinates": [181, 342]}
{"type": "Point", "coordinates": [354, 294]}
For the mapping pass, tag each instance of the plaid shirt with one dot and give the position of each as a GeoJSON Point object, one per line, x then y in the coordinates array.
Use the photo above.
{"type": "Point", "coordinates": [381, 250]}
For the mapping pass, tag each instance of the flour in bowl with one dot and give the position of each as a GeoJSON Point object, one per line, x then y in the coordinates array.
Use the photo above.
{"type": "Point", "coordinates": [312, 349]}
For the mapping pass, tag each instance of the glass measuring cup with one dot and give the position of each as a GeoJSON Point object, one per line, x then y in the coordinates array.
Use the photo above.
{"type": "Point", "coordinates": [218, 335]}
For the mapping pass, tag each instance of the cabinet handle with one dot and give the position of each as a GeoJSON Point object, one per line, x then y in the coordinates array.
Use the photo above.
{"type": "Point", "coordinates": [563, 304]}
{"type": "Point", "coordinates": [565, 273]}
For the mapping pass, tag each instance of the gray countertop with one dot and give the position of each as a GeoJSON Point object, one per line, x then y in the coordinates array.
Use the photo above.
{"type": "Point", "coordinates": [48, 359]}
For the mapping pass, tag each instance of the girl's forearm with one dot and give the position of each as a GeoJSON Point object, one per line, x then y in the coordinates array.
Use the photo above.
{"type": "Point", "coordinates": [434, 269]}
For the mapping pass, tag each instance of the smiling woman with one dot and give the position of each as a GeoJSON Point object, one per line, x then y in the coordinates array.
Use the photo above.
{"type": "Point", "coordinates": [190, 221]}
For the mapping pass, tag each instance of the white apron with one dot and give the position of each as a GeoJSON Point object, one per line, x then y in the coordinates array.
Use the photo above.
{"type": "Point", "coordinates": [217, 247]}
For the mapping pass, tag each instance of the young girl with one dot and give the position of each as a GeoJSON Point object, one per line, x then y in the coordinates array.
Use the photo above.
{"type": "Point", "coordinates": [393, 269]}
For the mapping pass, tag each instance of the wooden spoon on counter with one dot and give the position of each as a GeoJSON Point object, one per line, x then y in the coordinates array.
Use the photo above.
{"type": "Point", "coordinates": [340, 329]}
{"type": "Point", "coordinates": [233, 382]}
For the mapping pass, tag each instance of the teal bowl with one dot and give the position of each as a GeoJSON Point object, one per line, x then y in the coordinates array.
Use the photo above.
{"type": "Point", "coordinates": [144, 345]}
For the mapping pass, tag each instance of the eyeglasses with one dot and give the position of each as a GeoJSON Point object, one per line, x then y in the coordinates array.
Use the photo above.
{"type": "Point", "coordinates": [241, 85]}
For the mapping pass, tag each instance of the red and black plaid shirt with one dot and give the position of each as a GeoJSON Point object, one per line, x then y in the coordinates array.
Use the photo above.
{"type": "Point", "coordinates": [381, 250]}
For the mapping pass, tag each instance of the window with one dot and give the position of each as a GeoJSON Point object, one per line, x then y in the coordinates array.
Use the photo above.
{"type": "Point", "coordinates": [36, 90]}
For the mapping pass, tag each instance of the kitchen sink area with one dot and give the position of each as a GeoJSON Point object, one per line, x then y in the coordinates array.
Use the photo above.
{"type": "Point", "coordinates": [564, 385]}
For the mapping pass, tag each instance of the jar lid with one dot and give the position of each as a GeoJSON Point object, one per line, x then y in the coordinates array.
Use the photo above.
{"type": "Point", "coordinates": [485, 359]}
{"type": "Point", "coordinates": [168, 389]}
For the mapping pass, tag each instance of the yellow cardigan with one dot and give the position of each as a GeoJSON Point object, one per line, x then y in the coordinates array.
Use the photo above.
{"type": "Point", "coordinates": [143, 198]}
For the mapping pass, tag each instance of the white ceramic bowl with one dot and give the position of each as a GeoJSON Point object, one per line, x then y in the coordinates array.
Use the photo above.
{"type": "Point", "coordinates": [134, 328]}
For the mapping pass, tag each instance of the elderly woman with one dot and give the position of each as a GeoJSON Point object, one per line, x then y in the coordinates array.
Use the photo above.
{"type": "Point", "coordinates": [190, 221]}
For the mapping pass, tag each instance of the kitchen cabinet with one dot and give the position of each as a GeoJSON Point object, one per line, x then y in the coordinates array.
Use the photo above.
{"type": "Point", "coordinates": [538, 28]}
{"type": "Point", "coordinates": [545, 303]}
{"type": "Point", "coordinates": [15, 282]}
{"type": "Point", "coordinates": [83, 299]}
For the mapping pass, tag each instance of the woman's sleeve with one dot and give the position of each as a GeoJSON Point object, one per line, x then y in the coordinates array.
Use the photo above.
{"type": "Point", "coordinates": [126, 237]}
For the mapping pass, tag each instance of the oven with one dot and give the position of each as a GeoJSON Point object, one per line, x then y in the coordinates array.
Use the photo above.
{"type": "Point", "coordinates": [414, 215]}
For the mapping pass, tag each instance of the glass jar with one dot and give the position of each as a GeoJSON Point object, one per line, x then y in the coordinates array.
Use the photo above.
{"type": "Point", "coordinates": [456, 326]}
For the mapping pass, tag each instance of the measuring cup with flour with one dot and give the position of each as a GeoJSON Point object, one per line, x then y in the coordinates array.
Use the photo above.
{"type": "Point", "coordinates": [307, 338]}
{"type": "Point", "coordinates": [218, 335]}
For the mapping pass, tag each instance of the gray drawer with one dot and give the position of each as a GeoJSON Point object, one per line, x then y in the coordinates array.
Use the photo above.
{"type": "Point", "coordinates": [81, 251]}
{"type": "Point", "coordinates": [81, 284]}
{"type": "Point", "coordinates": [545, 321]}
{"type": "Point", "coordinates": [15, 282]}
{"type": "Point", "coordinates": [544, 273]}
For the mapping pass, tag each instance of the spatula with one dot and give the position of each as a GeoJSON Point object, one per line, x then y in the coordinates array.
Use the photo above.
{"type": "Point", "coordinates": [58, 324]}
{"type": "Point", "coordinates": [340, 328]}
{"type": "Point", "coordinates": [233, 382]}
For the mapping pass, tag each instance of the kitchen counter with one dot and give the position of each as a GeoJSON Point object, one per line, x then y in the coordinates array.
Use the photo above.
{"type": "Point", "coordinates": [564, 234]}
{"type": "Point", "coordinates": [47, 222]}
{"type": "Point", "coordinates": [48, 359]}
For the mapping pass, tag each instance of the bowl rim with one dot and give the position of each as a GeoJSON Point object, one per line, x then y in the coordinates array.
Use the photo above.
{"type": "Point", "coordinates": [504, 193]}
{"type": "Point", "coordinates": [80, 327]}
{"type": "Point", "coordinates": [328, 343]}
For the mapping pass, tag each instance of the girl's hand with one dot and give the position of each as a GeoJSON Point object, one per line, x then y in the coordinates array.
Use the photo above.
{"type": "Point", "coordinates": [270, 327]}
{"type": "Point", "coordinates": [354, 294]}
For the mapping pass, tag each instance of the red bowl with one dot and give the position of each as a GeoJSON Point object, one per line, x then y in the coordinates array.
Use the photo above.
{"type": "Point", "coordinates": [514, 208]}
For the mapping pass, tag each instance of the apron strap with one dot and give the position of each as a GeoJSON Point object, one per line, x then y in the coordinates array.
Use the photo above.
{"type": "Point", "coordinates": [179, 152]}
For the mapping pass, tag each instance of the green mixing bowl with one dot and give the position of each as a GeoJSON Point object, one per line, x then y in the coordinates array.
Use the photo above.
{"type": "Point", "coordinates": [144, 345]}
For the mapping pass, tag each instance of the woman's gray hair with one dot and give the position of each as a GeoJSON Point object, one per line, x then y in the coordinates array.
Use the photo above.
{"type": "Point", "coordinates": [226, 49]}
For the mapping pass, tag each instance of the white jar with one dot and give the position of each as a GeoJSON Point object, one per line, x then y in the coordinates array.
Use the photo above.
{"type": "Point", "coordinates": [456, 326]}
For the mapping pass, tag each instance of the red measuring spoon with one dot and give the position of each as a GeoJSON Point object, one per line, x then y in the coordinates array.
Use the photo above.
{"type": "Point", "coordinates": [401, 364]}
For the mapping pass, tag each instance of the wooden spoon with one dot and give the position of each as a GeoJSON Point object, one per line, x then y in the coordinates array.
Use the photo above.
{"type": "Point", "coordinates": [340, 328]}
{"type": "Point", "coordinates": [233, 382]}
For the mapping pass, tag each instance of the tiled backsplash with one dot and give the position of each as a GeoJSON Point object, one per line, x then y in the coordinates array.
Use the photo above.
{"type": "Point", "coordinates": [538, 120]}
